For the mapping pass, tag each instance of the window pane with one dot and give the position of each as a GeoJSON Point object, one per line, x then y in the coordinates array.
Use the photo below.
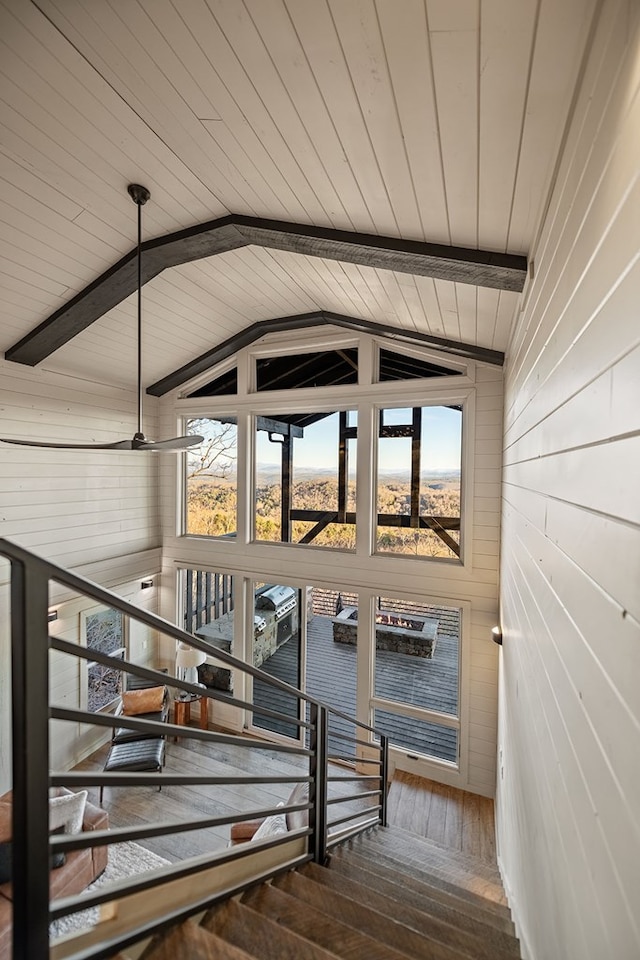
{"type": "Point", "coordinates": [276, 650]}
{"type": "Point", "coordinates": [104, 633]}
{"type": "Point", "coordinates": [211, 485]}
{"type": "Point", "coordinates": [223, 385]}
{"type": "Point", "coordinates": [208, 604]}
{"type": "Point", "coordinates": [418, 736]}
{"type": "Point", "coordinates": [417, 654]}
{"type": "Point", "coordinates": [402, 366]}
{"type": "Point", "coordinates": [321, 369]}
{"type": "Point", "coordinates": [419, 466]}
{"type": "Point", "coordinates": [305, 479]}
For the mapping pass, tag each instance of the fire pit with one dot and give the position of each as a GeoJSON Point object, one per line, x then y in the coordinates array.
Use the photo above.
{"type": "Point", "coordinates": [397, 632]}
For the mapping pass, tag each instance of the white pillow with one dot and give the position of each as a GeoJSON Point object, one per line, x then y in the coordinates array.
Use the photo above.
{"type": "Point", "coordinates": [271, 826]}
{"type": "Point", "coordinates": [67, 811]}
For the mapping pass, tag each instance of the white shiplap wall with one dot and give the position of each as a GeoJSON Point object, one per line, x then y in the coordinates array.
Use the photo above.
{"type": "Point", "coordinates": [475, 583]}
{"type": "Point", "coordinates": [569, 733]}
{"type": "Point", "coordinates": [95, 512]}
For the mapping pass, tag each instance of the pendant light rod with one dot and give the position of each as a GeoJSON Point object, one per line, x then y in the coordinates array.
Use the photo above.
{"type": "Point", "coordinates": [139, 195]}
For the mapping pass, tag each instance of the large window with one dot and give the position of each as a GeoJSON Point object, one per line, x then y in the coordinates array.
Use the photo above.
{"type": "Point", "coordinates": [212, 478]}
{"type": "Point", "coordinates": [419, 481]}
{"type": "Point", "coordinates": [103, 630]}
{"type": "Point", "coordinates": [305, 488]}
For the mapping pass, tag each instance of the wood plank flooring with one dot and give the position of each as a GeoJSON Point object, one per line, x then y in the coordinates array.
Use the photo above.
{"type": "Point", "coordinates": [136, 806]}
{"type": "Point", "coordinates": [453, 818]}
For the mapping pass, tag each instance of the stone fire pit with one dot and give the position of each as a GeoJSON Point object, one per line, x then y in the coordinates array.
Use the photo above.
{"type": "Point", "coordinates": [398, 632]}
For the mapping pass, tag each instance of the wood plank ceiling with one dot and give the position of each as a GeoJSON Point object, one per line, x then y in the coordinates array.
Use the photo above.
{"type": "Point", "coordinates": [418, 119]}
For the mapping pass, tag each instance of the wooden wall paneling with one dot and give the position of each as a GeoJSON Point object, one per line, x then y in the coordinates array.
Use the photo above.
{"type": "Point", "coordinates": [523, 776]}
{"type": "Point", "coordinates": [448, 304]}
{"type": "Point", "coordinates": [507, 311]}
{"type": "Point", "coordinates": [596, 797]}
{"type": "Point", "coordinates": [467, 308]}
{"type": "Point", "coordinates": [408, 54]}
{"type": "Point", "coordinates": [454, 54]}
{"type": "Point", "coordinates": [262, 95]}
{"type": "Point", "coordinates": [363, 48]}
{"type": "Point", "coordinates": [93, 98]}
{"type": "Point", "coordinates": [606, 340]}
{"type": "Point", "coordinates": [559, 40]}
{"type": "Point", "coordinates": [584, 290]}
{"type": "Point", "coordinates": [333, 177]}
{"type": "Point", "coordinates": [570, 545]}
{"type": "Point", "coordinates": [315, 28]}
{"type": "Point", "coordinates": [132, 70]}
{"type": "Point", "coordinates": [506, 42]}
{"type": "Point", "coordinates": [599, 144]}
{"type": "Point", "coordinates": [431, 305]}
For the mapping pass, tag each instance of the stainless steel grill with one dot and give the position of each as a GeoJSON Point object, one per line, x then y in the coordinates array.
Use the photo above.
{"type": "Point", "coordinates": [277, 599]}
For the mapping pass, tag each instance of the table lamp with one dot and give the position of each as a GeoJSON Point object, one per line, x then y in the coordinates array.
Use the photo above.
{"type": "Point", "coordinates": [187, 661]}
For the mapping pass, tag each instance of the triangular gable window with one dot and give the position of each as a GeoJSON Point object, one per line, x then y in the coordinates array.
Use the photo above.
{"type": "Point", "coordinates": [222, 386]}
{"type": "Point", "coordinates": [400, 366]}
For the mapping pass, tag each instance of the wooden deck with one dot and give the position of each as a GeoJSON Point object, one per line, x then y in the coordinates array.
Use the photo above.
{"type": "Point", "coordinates": [331, 677]}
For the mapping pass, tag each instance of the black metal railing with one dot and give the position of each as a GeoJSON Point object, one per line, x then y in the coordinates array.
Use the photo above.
{"type": "Point", "coordinates": [32, 777]}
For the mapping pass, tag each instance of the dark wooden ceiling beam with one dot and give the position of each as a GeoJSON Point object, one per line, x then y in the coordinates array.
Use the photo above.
{"type": "Point", "coordinates": [319, 317]}
{"type": "Point", "coordinates": [502, 271]}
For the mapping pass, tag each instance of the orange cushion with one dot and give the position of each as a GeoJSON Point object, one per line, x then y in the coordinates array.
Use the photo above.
{"type": "Point", "coordinates": [142, 701]}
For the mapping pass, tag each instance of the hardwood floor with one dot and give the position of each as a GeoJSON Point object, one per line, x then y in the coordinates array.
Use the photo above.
{"type": "Point", "coordinates": [453, 818]}
{"type": "Point", "coordinates": [136, 806]}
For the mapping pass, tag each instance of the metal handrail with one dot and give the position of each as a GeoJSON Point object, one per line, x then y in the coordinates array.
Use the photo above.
{"type": "Point", "coordinates": [30, 579]}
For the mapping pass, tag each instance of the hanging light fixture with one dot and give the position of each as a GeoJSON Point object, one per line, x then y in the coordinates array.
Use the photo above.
{"type": "Point", "coordinates": [139, 195]}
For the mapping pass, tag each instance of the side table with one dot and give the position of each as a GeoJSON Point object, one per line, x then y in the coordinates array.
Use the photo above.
{"type": "Point", "coordinates": [182, 711]}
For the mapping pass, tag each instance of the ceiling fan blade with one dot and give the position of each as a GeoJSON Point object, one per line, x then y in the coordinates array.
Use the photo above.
{"type": "Point", "coordinates": [175, 443]}
{"type": "Point", "coordinates": [46, 445]}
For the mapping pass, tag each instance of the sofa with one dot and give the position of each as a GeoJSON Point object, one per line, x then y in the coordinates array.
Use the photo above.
{"type": "Point", "coordinates": [80, 867]}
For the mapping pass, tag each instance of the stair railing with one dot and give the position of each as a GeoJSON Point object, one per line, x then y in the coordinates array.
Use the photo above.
{"type": "Point", "coordinates": [32, 778]}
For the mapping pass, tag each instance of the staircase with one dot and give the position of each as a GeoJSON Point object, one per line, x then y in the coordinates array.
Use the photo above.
{"type": "Point", "coordinates": [385, 895]}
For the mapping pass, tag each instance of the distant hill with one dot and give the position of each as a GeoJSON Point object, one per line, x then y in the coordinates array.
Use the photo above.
{"type": "Point", "coordinates": [268, 473]}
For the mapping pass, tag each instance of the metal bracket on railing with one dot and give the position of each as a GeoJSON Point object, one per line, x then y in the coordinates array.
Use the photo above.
{"type": "Point", "coordinates": [319, 770]}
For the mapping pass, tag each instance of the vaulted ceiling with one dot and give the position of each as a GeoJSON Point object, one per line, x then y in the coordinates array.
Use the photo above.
{"type": "Point", "coordinates": [423, 120]}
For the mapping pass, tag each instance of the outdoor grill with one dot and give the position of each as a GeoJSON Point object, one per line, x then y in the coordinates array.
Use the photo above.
{"type": "Point", "coordinates": [278, 600]}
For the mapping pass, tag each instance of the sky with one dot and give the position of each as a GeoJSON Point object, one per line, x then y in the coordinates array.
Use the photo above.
{"type": "Point", "coordinates": [441, 443]}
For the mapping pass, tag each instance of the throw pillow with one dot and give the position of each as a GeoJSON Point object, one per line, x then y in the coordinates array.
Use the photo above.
{"type": "Point", "coordinates": [271, 826]}
{"type": "Point", "coordinates": [142, 701]}
{"type": "Point", "coordinates": [67, 811]}
{"type": "Point", "coordinates": [299, 818]}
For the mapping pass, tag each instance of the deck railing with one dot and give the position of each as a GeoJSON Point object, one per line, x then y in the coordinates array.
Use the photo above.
{"type": "Point", "coordinates": [32, 776]}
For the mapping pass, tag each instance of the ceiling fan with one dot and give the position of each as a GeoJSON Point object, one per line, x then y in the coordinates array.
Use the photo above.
{"type": "Point", "coordinates": [139, 195]}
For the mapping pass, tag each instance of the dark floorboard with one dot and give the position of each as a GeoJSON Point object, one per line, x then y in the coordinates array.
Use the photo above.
{"type": "Point", "coordinates": [331, 677]}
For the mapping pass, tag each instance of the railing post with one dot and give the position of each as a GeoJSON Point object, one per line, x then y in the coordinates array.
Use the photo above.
{"type": "Point", "coordinates": [30, 758]}
{"type": "Point", "coordinates": [384, 772]}
{"type": "Point", "coordinates": [319, 772]}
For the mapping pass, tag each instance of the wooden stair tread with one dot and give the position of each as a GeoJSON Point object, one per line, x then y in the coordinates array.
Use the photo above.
{"type": "Point", "coordinates": [455, 910]}
{"type": "Point", "coordinates": [378, 861]}
{"type": "Point", "coordinates": [375, 925]}
{"type": "Point", "coordinates": [463, 883]}
{"type": "Point", "coordinates": [308, 921]}
{"type": "Point", "coordinates": [191, 942]}
{"type": "Point", "coordinates": [412, 843]}
{"type": "Point", "coordinates": [259, 936]}
{"type": "Point", "coordinates": [398, 908]}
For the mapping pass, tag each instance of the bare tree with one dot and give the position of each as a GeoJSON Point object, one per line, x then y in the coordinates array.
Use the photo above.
{"type": "Point", "coordinates": [216, 456]}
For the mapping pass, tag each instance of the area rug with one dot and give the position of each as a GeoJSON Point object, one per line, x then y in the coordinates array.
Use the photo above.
{"type": "Point", "coordinates": [125, 860]}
